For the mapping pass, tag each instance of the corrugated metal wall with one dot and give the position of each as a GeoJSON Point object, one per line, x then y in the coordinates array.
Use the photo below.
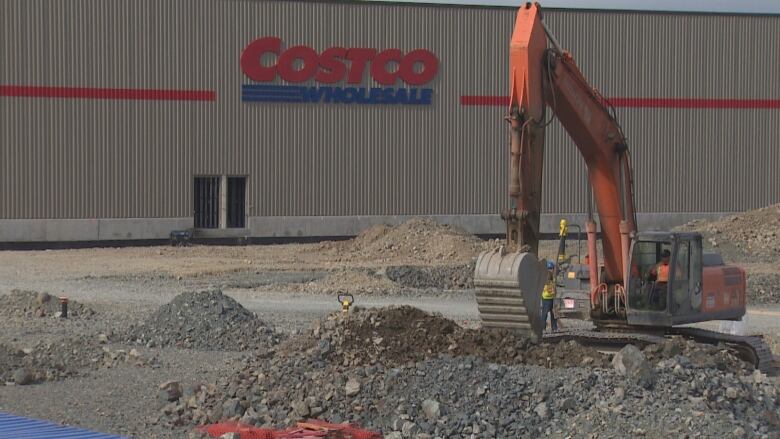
{"type": "Point", "coordinates": [76, 158]}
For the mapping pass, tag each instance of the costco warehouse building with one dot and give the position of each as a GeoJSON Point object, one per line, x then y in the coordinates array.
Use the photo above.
{"type": "Point", "coordinates": [127, 119]}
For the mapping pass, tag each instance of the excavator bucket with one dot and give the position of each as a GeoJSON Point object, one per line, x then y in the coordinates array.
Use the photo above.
{"type": "Point", "coordinates": [509, 291]}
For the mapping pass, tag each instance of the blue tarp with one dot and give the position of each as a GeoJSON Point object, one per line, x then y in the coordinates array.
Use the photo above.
{"type": "Point", "coordinates": [18, 427]}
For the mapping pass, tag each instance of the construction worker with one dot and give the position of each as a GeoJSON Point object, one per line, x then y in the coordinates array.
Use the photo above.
{"type": "Point", "coordinates": [660, 274]}
{"type": "Point", "coordinates": [548, 296]}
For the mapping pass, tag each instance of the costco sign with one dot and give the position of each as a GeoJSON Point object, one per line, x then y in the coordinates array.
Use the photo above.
{"type": "Point", "coordinates": [264, 62]}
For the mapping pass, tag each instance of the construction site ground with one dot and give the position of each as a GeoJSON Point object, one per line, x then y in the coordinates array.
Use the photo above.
{"type": "Point", "coordinates": [116, 388]}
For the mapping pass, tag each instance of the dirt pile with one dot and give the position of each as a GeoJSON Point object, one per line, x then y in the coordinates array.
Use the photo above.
{"type": "Point", "coordinates": [62, 359]}
{"type": "Point", "coordinates": [466, 396]}
{"type": "Point", "coordinates": [353, 281]}
{"type": "Point", "coordinates": [752, 236]}
{"type": "Point", "coordinates": [421, 239]}
{"type": "Point", "coordinates": [444, 277]}
{"type": "Point", "coordinates": [697, 355]}
{"type": "Point", "coordinates": [206, 320]}
{"type": "Point", "coordinates": [399, 335]}
{"type": "Point", "coordinates": [763, 287]}
{"type": "Point", "coordinates": [21, 303]}
{"type": "Point", "coordinates": [394, 280]}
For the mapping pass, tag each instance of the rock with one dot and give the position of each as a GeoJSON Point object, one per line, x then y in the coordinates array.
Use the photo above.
{"type": "Point", "coordinates": [102, 338]}
{"type": "Point", "coordinates": [232, 408]}
{"type": "Point", "coordinates": [630, 362]}
{"type": "Point", "coordinates": [731, 393]}
{"type": "Point", "coordinates": [567, 404]}
{"type": "Point", "coordinates": [431, 409]}
{"type": "Point", "coordinates": [541, 410]}
{"type": "Point", "coordinates": [394, 435]}
{"type": "Point", "coordinates": [352, 387]}
{"type": "Point", "coordinates": [408, 429]}
{"type": "Point", "coordinates": [671, 348]}
{"type": "Point", "coordinates": [23, 377]}
{"type": "Point", "coordinates": [300, 409]}
{"type": "Point", "coordinates": [169, 391]}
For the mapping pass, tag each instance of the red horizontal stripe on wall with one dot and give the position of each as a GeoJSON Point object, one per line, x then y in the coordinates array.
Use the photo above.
{"type": "Point", "coordinates": [647, 102]}
{"type": "Point", "coordinates": [502, 101]}
{"type": "Point", "coordinates": [107, 93]}
{"type": "Point", "coordinates": [694, 103]}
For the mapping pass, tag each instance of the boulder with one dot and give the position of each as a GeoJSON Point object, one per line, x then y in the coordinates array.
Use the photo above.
{"type": "Point", "coordinates": [631, 363]}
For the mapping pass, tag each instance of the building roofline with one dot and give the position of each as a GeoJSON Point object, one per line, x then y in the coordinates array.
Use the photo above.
{"type": "Point", "coordinates": [562, 9]}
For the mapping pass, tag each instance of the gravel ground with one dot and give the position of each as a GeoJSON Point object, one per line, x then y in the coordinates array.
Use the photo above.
{"type": "Point", "coordinates": [124, 287]}
{"type": "Point", "coordinates": [121, 400]}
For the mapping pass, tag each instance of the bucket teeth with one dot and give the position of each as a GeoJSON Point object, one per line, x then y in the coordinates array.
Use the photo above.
{"type": "Point", "coordinates": [508, 290]}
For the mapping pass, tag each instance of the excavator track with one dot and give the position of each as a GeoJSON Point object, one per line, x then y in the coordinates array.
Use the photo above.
{"type": "Point", "coordinates": [748, 347]}
{"type": "Point", "coordinates": [751, 349]}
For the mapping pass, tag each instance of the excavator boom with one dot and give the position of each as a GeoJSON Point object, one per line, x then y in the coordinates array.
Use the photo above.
{"type": "Point", "coordinates": [544, 78]}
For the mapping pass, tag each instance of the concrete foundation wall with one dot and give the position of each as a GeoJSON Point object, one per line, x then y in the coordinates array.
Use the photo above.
{"type": "Point", "coordinates": [108, 229]}
{"type": "Point", "coordinates": [119, 229]}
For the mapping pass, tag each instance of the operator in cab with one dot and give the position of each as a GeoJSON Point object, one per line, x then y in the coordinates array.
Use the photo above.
{"type": "Point", "coordinates": [660, 274]}
{"type": "Point", "coordinates": [548, 296]}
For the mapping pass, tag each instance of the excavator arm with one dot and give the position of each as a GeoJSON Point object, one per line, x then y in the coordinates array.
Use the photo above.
{"type": "Point", "coordinates": [542, 78]}
{"type": "Point", "coordinates": [545, 81]}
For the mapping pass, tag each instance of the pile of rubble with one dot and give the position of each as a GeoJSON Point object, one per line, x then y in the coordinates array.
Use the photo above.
{"type": "Point", "coordinates": [427, 381]}
{"type": "Point", "coordinates": [420, 239]}
{"type": "Point", "coordinates": [358, 282]}
{"type": "Point", "coordinates": [52, 361]}
{"type": "Point", "coordinates": [394, 280]}
{"type": "Point", "coordinates": [461, 397]}
{"type": "Point", "coordinates": [763, 287]}
{"type": "Point", "coordinates": [206, 320]}
{"type": "Point", "coordinates": [752, 236]}
{"type": "Point", "coordinates": [398, 335]}
{"type": "Point", "coordinates": [21, 303]}
{"type": "Point", "coordinates": [442, 277]}
{"type": "Point", "coordinates": [697, 355]}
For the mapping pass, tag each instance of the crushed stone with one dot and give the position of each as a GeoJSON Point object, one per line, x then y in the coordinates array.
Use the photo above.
{"type": "Point", "coordinates": [63, 358]}
{"type": "Point", "coordinates": [442, 277]}
{"type": "Point", "coordinates": [205, 320]}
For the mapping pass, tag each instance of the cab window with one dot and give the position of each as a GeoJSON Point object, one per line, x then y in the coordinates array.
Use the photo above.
{"type": "Point", "coordinates": [645, 293]}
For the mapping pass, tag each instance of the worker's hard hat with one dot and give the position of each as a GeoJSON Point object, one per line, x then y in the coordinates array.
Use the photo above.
{"type": "Point", "coordinates": [550, 265]}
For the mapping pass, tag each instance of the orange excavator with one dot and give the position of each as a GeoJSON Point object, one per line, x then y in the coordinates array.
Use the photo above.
{"type": "Point", "coordinates": [647, 283]}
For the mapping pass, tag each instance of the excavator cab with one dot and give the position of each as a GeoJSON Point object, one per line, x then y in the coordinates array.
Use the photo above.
{"type": "Point", "coordinates": [664, 291]}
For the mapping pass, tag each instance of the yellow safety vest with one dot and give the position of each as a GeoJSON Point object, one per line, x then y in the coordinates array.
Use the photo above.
{"type": "Point", "coordinates": [549, 291]}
